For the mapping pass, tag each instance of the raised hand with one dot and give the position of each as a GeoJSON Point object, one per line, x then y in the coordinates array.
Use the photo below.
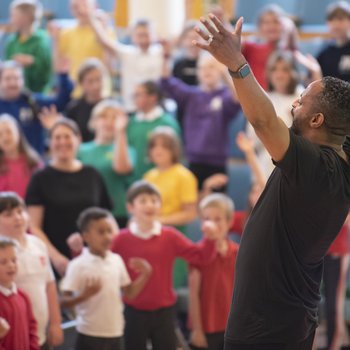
{"type": "Point", "coordinates": [225, 46]}
{"type": "Point", "coordinates": [48, 116]}
{"type": "Point", "coordinates": [140, 266]}
{"type": "Point", "coordinates": [75, 242]}
{"type": "Point", "coordinates": [244, 143]}
{"type": "Point", "coordinates": [210, 230]}
{"type": "Point", "coordinates": [121, 122]}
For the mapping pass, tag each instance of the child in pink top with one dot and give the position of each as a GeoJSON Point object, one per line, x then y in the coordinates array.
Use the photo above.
{"type": "Point", "coordinates": [18, 159]}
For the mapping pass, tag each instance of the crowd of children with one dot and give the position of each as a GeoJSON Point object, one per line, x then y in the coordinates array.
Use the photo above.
{"type": "Point", "coordinates": [96, 194]}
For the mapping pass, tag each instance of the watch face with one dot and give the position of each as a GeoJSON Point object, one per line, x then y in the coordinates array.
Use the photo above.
{"type": "Point", "coordinates": [244, 71]}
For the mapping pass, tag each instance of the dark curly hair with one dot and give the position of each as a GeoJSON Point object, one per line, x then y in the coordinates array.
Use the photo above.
{"type": "Point", "coordinates": [334, 102]}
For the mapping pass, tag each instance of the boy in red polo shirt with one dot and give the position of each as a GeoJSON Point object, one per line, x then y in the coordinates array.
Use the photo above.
{"type": "Point", "coordinates": [151, 314]}
{"type": "Point", "coordinates": [211, 286]}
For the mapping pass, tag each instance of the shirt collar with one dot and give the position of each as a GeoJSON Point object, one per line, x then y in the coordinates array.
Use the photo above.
{"type": "Point", "coordinates": [156, 230]}
{"type": "Point", "coordinates": [8, 291]}
{"type": "Point", "coordinates": [86, 252]}
{"type": "Point", "coordinates": [155, 113]}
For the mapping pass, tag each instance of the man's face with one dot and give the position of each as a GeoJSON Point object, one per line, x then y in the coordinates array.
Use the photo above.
{"type": "Point", "coordinates": [11, 83]}
{"type": "Point", "coordinates": [339, 27]}
{"type": "Point", "coordinates": [303, 108]}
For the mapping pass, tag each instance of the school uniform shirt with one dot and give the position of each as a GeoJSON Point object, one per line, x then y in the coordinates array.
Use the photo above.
{"type": "Point", "coordinates": [16, 309]}
{"type": "Point", "coordinates": [216, 289]}
{"type": "Point", "coordinates": [34, 273]}
{"type": "Point", "coordinates": [340, 245]}
{"type": "Point", "coordinates": [102, 314]}
{"type": "Point", "coordinates": [177, 186]}
{"type": "Point", "coordinates": [280, 261]}
{"type": "Point", "coordinates": [160, 248]}
{"type": "Point", "coordinates": [64, 195]}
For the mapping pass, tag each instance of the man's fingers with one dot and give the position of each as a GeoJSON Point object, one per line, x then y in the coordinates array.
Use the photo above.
{"type": "Point", "coordinates": [201, 45]}
{"type": "Point", "coordinates": [218, 24]}
{"type": "Point", "coordinates": [211, 29]}
{"type": "Point", "coordinates": [205, 36]}
{"type": "Point", "coordinates": [238, 27]}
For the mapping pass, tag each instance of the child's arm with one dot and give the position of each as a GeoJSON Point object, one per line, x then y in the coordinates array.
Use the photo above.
{"type": "Point", "coordinates": [197, 337]}
{"type": "Point", "coordinates": [55, 333]}
{"type": "Point", "coordinates": [69, 299]}
{"type": "Point", "coordinates": [121, 160]}
{"type": "Point", "coordinates": [247, 147]}
{"type": "Point", "coordinates": [184, 216]}
{"type": "Point", "coordinates": [144, 269]}
{"type": "Point", "coordinates": [4, 328]}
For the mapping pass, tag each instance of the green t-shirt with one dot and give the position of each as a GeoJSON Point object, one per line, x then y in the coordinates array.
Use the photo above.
{"type": "Point", "coordinates": [38, 75]}
{"type": "Point", "coordinates": [101, 158]}
{"type": "Point", "coordinates": [138, 132]}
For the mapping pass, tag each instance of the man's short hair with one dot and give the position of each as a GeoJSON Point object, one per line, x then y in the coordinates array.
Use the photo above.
{"type": "Point", "coordinates": [334, 102]}
{"type": "Point", "coordinates": [338, 9]}
{"type": "Point", "coordinates": [91, 214]}
{"type": "Point", "coordinates": [141, 187]}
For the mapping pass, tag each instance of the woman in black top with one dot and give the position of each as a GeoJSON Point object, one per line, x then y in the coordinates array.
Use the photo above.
{"type": "Point", "coordinates": [59, 192]}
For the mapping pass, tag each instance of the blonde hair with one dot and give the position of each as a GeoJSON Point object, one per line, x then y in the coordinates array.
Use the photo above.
{"type": "Point", "coordinates": [100, 108]}
{"type": "Point", "coordinates": [170, 139]}
{"type": "Point", "coordinates": [220, 201]}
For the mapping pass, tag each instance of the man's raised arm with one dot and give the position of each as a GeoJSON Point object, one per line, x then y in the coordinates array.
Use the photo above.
{"type": "Point", "coordinates": [225, 46]}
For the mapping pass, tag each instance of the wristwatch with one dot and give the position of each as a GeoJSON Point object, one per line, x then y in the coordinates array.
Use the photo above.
{"type": "Point", "coordinates": [241, 73]}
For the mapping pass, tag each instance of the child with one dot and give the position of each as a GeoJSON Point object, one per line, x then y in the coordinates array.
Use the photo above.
{"type": "Point", "coordinates": [334, 58]}
{"type": "Point", "coordinates": [208, 110]}
{"type": "Point", "coordinates": [211, 286]}
{"type": "Point", "coordinates": [109, 153]}
{"type": "Point", "coordinates": [149, 114]}
{"type": "Point", "coordinates": [29, 46]}
{"type": "Point", "coordinates": [35, 276]}
{"type": "Point", "coordinates": [18, 160]}
{"type": "Point", "coordinates": [15, 308]}
{"type": "Point", "coordinates": [91, 76]}
{"type": "Point", "coordinates": [93, 282]}
{"type": "Point", "coordinates": [150, 315]}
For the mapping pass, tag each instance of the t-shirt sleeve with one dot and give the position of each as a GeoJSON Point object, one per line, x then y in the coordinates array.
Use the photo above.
{"type": "Point", "coordinates": [188, 189]}
{"type": "Point", "coordinates": [124, 275]}
{"type": "Point", "coordinates": [34, 195]}
{"type": "Point", "coordinates": [72, 279]}
{"type": "Point", "coordinates": [176, 89]}
{"type": "Point", "coordinates": [302, 160]}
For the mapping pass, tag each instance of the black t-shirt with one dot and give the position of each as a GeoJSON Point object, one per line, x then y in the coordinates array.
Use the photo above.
{"type": "Point", "coordinates": [80, 111]}
{"type": "Point", "coordinates": [335, 61]}
{"type": "Point", "coordinates": [64, 196]}
{"type": "Point", "coordinates": [280, 260]}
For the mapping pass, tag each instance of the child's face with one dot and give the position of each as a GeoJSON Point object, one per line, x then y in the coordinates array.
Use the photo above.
{"type": "Point", "coordinates": [8, 266]}
{"type": "Point", "coordinates": [187, 42]}
{"type": "Point", "coordinates": [270, 27]}
{"type": "Point", "coordinates": [143, 100]}
{"type": "Point", "coordinates": [145, 208]}
{"type": "Point", "coordinates": [19, 19]}
{"type": "Point", "coordinates": [99, 235]}
{"type": "Point", "coordinates": [219, 217]}
{"type": "Point", "coordinates": [64, 144]}
{"type": "Point", "coordinates": [210, 73]}
{"type": "Point", "coordinates": [105, 123]}
{"type": "Point", "coordinates": [9, 137]}
{"type": "Point", "coordinates": [339, 27]}
{"type": "Point", "coordinates": [141, 36]}
{"type": "Point", "coordinates": [79, 8]}
{"type": "Point", "coordinates": [11, 83]}
{"type": "Point", "coordinates": [280, 76]}
{"type": "Point", "coordinates": [160, 154]}
{"type": "Point", "coordinates": [14, 222]}
{"type": "Point", "coordinates": [92, 84]}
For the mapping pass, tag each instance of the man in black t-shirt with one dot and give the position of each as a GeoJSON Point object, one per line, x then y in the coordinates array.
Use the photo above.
{"type": "Point", "coordinates": [300, 212]}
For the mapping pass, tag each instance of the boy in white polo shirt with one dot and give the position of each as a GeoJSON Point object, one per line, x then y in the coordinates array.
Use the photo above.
{"type": "Point", "coordinates": [35, 275]}
{"type": "Point", "coordinates": [94, 282]}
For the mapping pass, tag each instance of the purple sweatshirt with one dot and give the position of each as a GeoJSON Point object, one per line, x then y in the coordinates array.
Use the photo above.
{"type": "Point", "coordinates": [206, 119]}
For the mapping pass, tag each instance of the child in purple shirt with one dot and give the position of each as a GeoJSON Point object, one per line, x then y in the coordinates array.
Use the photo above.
{"type": "Point", "coordinates": [208, 110]}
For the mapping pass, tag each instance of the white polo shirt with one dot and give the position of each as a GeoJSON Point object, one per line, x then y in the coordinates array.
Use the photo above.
{"type": "Point", "coordinates": [34, 273]}
{"type": "Point", "coordinates": [102, 314]}
{"type": "Point", "coordinates": [138, 66]}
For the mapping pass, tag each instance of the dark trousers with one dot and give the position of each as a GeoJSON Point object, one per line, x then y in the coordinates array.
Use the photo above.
{"type": "Point", "coordinates": [157, 326]}
{"type": "Point", "coordinates": [215, 342]}
{"type": "Point", "coordinates": [304, 345]}
{"type": "Point", "coordinates": [203, 171]}
{"type": "Point", "coordinates": [331, 274]}
{"type": "Point", "coordinates": [45, 346]}
{"type": "Point", "coordinates": [86, 342]}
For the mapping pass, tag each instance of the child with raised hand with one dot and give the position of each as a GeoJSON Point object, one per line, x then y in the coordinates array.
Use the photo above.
{"type": "Point", "coordinates": [18, 327]}
{"type": "Point", "coordinates": [94, 281]}
{"type": "Point", "coordinates": [34, 274]}
{"type": "Point", "coordinates": [110, 154]}
{"type": "Point", "coordinates": [207, 112]}
{"type": "Point", "coordinates": [211, 286]}
{"type": "Point", "coordinates": [150, 316]}
{"type": "Point", "coordinates": [29, 46]}
{"type": "Point", "coordinates": [18, 160]}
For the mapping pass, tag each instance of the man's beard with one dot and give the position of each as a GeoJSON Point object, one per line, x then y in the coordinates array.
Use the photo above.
{"type": "Point", "coordinates": [295, 128]}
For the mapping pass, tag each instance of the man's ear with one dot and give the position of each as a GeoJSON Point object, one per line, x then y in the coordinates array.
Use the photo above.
{"type": "Point", "coordinates": [129, 208]}
{"type": "Point", "coordinates": [317, 120]}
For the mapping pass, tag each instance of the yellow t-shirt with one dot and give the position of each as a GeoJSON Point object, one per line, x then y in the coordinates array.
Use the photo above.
{"type": "Point", "coordinates": [77, 44]}
{"type": "Point", "coordinates": [177, 186]}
